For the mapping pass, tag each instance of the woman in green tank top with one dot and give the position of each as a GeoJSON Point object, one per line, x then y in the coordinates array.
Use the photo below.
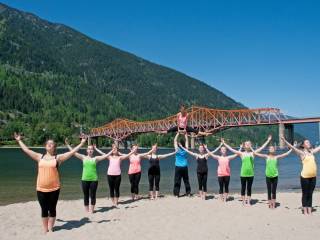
{"type": "Point", "coordinates": [89, 177]}
{"type": "Point", "coordinates": [247, 168]}
{"type": "Point", "coordinates": [272, 173]}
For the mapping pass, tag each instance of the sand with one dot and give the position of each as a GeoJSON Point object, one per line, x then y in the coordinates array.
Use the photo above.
{"type": "Point", "coordinates": [166, 218]}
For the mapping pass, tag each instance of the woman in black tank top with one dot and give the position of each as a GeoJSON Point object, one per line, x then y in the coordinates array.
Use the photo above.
{"type": "Point", "coordinates": [154, 171]}
{"type": "Point", "coordinates": [202, 169]}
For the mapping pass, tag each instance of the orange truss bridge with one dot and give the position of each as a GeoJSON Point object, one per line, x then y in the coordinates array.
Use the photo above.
{"type": "Point", "coordinates": [206, 119]}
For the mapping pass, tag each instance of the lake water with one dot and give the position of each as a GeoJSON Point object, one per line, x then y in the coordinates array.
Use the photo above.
{"type": "Point", "coordinates": [18, 176]}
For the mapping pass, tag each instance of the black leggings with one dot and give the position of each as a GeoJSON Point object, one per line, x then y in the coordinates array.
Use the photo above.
{"type": "Point", "coordinates": [48, 203]}
{"type": "Point", "coordinates": [307, 186]}
{"type": "Point", "coordinates": [134, 181]}
{"type": "Point", "coordinates": [202, 180]}
{"type": "Point", "coordinates": [187, 129]}
{"type": "Point", "coordinates": [181, 173]}
{"type": "Point", "coordinates": [114, 185]}
{"type": "Point", "coordinates": [272, 187]}
{"type": "Point", "coordinates": [154, 178]}
{"type": "Point", "coordinates": [224, 184]}
{"type": "Point", "coordinates": [246, 184]}
{"type": "Point", "coordinates": [89, 189]}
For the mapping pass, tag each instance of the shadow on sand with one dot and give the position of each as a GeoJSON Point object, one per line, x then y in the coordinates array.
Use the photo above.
{"type": "Point", "coordinates": [71, 224]}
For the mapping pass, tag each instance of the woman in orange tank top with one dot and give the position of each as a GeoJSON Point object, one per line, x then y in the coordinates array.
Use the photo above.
{"type": "Point", "coordinates": [308, 175]}
{"type": "Point", "coordinates": [48, 181]}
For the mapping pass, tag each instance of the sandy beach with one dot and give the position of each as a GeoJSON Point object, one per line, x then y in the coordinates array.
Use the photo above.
{"type": "Point", "coordinates": [167, 218]}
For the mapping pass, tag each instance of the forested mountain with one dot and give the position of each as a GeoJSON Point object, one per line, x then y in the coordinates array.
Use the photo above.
{"type": "Point", "coordinates": [54, 78]}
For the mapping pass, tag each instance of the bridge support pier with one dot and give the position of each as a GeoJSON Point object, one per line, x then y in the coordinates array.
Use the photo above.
{"type": "Point", "coordinates": [125, 144]}
{"type": "Point", "coordinates": [192, 142]}
{"type": "Point", "coordinates": [282, 133]}
{"type": "Point", "coordinates": [116, 143]}
{"type": "Point", "coordinates": [96, 141]}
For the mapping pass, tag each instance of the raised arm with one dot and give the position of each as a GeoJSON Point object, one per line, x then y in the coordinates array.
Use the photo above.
{"type": "Point", "coordinates": [259, 154]}
{"type": "Point", "coordinates": [231, 157]}
{"type": "Point", "coordinates": [175, 142]}
{"type": "Point", "coordinates": [263, 146]}
{"type": "Point", "coordinates": [284, 154]}
{"type": "Point", "coordinates": [217, 149]}
{"type": "Point", "coordinates": [187, 140]}
{"type": "Point", "coordinates": [212, 153]}
{"type": "Point", "coordinates": [166, 155]}
{"type": "Point", "coordinates": [33, 155]}
{"type": "Point", "coordinates": [123, 157]}
{"type": "Point", "coordinates": [316, 150]}
{"type": "Point", "coordinates": [78, 155]}
{"type": "Point", "coordinates": [65, 156]}
{"type": "Point", "coordinates": [98, 150]}
{"type": "Point", "coordinates": [239, 153]}
{"type": "Point", "coordinates": [294, 148]}
{"type": "Point", "coordinates": [146, 154]}
{"type": "Point", "coordinates": [104, 156]}
{"type": "Point", "coordinates": [188, 151]}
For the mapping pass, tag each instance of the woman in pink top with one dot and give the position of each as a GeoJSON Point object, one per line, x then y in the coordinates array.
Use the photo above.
{"type": "Point", "coordinates": [182, 124]}
{"type": "Point", "coordinates": [134, 171]}
{"type": "Point", "coordinates": [223, 171]}
{"type": "Point", "coordinates": [114, 172]}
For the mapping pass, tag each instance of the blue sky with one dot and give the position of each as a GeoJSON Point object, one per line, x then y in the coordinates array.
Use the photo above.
{"type": "Point", "coordinates": [261, 53]}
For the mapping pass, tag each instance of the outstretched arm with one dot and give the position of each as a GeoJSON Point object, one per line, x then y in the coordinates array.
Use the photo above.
{"type": "Point", "coordinates": [217, 149]}
{"type": "Point", "coordinates": [104, 156]}
{"type": "Point", "coordinates": [239, 153]}
{"type": "Point", "coordinates": [211, 153]}
{"type": "Point", "coordinates": [166, 155]}
{"type": "Point", "coordinates": [145, 155]}
{"type": "Point", "coordinates": [78, 155]}
{"type": "Point", "coordinates": [65, 156]}
{"type": "Point", "coordinates": [188, 151]}
{"type": "Point", "coordinates": [33, 155]}
{"type": "Point", "coordinates": [98, 150]}
{"type": "Point", "coordinates": [284, 154]}
{"type": "Point", "coordinates": [187, 141]}
{"type": "Point", "coordinates": [264, 145]}
{"type": "Point", "coordinates": [231, 157]}
{"type": "Point", "coordinates": [316, 150]}
{"type": "Point", "coordinates": [259, 154]}
{"type": "Point", "coordinates": [294, 148]}
{"type": "Point", "coordinates": [123, 157]}
{"type": "Point", "coordinates": [175, 142]}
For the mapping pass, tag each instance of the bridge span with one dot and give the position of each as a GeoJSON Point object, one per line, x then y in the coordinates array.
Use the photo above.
{"type": "Point", "coordinates": [206, 119]}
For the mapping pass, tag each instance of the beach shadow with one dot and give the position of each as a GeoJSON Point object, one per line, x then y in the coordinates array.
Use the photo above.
{"type": "Point", "coordinates": [186, 195]}
{"type": "Point", "coordinates": [130, 207]}
{"type": "Point", "coordinates": [71, 224]}
{"type": "Point", "coordinates": [210, 197]}
{"type": "Point", "coordinates": [104, 209]}
{"type": "Point", "coordinates": [278, 204]}
{"type": "Point", "coordinates": [254, 201]}
{"type": "Point", "coordinates": [129, 201]}
{"type": "Point", "coordinates": [104, 221]}
{"type": "Point", "coordinates": [230, 199]}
